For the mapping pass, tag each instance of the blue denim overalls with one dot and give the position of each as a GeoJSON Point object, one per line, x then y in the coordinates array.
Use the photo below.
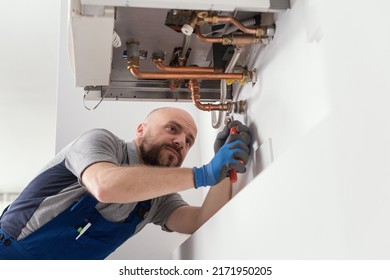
{"type": "Point", "coordinates": [63, 238]}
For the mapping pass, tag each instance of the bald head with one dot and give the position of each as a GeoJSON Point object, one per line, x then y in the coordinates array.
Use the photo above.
{"type": "Point", "coordinates": [165, 136]}
{"type": "Point", "coordinates": [176, 112]}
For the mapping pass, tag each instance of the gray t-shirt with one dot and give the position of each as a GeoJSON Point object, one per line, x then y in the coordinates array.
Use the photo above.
{"type": "Point", "coordinates": [58, 186]}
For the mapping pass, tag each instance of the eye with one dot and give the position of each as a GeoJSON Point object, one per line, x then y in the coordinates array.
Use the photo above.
{"type": "Point", "coordinates": [172, 128]}
{"type": "Point", "coordinates": [189, 141]}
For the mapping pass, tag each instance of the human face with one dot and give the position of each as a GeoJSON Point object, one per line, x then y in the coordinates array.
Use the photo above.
{"type": "Point", "coordinates": [166, 137]}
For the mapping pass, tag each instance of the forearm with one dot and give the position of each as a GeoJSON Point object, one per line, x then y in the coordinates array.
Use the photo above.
{"type": "Point", "coordinates": [187, 219]}
{"type": "Point", "coordinates": [216, 198]}
{"type": "Point", "coordinates": [112, 184]}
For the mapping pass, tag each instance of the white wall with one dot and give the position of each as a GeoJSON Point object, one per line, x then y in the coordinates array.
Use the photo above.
{"type": "Point", "coordinates": [323, 100]}
{"type": "Point", "coordinates": [29, 32]}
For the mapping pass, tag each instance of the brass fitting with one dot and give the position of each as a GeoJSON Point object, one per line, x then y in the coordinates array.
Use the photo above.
{"type": "Point", "coordinates": [132, 54]}
{"type": "Point", "coordinates": [261, 31]}
{"type": "Point", "coordinates": [132, 62]}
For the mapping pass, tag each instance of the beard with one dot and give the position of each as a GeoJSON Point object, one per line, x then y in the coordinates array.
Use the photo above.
{"type": "Point", "coordinates": [151, 154]}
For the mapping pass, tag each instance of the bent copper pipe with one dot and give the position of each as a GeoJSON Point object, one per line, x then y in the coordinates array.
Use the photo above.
{"type": "Point", "coordinates": [186, 75]}
{"type": "Point", "coordinates": [194, 88]}
{"type": "Point", "coordinates": [160, 65]}
{"type": "Point", "coordinates": [212, 40]}
{"type": "Point", "coordinates": [217, 19]}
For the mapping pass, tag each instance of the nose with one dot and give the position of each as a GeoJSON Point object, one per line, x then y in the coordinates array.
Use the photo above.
{"type": "Point", "coordinates": [180, 141]}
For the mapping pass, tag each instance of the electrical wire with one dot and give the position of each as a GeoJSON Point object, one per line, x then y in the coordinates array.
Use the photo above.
{"type": "Point", "coordinates": [100, 101]}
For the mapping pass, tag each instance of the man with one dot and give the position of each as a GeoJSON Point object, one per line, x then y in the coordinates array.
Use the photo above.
{"type": "Point", "coordinates": [100, 190]}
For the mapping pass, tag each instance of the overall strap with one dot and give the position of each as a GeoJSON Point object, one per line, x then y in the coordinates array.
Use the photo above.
{"type": "Point", "coordinates": [139, 212]}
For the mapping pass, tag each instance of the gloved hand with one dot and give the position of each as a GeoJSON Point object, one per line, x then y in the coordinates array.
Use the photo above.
{"type": "Point", "coordinates": [232, 155]}
{"type": "Point", "coordinates": [243, 134]}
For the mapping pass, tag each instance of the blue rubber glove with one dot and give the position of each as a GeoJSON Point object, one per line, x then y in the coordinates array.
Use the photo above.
{"type": "Point", "coordinates": [230, 156]}
{"type": "Point", "coordinates": [224, 136]}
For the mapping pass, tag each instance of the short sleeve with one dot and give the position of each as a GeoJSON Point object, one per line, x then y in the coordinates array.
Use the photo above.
{"type": "Point", "coordinates": [93, 146]}
{"type": "Point", "coordinates": [167, 204]}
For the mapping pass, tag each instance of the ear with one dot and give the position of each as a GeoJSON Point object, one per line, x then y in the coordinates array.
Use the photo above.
{"type": "Point", "coordinates": [140, 129]}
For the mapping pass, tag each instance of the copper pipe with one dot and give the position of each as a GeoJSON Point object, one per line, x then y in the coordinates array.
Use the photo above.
{"type": "Point", "coordinates": [212, 40]}
{"type": "Point", "coordinates": [194, 88]}
{"type": "Point", "coordinates": [216, 19]}
{"type": "Point", "coordinates": [188, 76]}
{"type": "Point", "coordinates": [235, 22]}
{"type": "Point", "coordinates": [160, 65]}
{"type": "Point", "coordinates": [238, 39]}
